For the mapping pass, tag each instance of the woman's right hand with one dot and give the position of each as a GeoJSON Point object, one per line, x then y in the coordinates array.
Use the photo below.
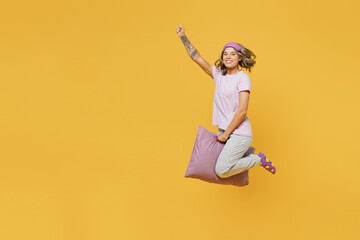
{"type": "Point", "coordinates": [180, 30]}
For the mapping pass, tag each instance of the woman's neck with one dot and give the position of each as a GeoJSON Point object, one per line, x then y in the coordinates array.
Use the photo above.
{"type": "Point", "coordinates": [232, 71]}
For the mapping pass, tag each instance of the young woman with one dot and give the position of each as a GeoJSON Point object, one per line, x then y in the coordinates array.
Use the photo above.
{"type": "Point", "coordinates": [231, 99]}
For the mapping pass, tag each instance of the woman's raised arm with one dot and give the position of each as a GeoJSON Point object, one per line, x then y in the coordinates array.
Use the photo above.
{"type": "Point", "coordinates": [193, 52]}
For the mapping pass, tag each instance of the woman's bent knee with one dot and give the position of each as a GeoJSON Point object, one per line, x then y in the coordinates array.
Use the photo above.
{"type": "Point", "coordinates": [220, 172]}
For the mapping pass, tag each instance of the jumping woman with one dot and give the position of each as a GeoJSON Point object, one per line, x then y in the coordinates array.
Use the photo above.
{"type": "Point", "coordinates": [230, 104]}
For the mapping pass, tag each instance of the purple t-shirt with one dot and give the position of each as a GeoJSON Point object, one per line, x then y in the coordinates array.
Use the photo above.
{"type": "Point", "coordinates": [226, 100]}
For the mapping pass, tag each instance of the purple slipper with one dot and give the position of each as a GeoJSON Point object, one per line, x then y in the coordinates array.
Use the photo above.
{"type": "Point", "coordinates": [267, 164]}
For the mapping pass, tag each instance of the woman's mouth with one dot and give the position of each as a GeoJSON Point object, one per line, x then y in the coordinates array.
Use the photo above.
{"type": "Point", "coordinates": [228, 62]}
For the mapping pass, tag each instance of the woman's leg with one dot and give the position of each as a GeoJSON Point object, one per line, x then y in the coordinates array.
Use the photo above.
{"type": "Point", "coordinates": [231, 160]}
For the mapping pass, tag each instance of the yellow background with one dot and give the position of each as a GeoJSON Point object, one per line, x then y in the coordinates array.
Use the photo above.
{"type": "Point", "coordinates": [100, 105]}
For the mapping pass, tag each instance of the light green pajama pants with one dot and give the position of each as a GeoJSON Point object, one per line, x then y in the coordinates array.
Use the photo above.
{"type": "Point", "coordinates": [231, 160]}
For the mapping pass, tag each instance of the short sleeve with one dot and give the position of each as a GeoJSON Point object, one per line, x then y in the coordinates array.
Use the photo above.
{"type": "Point", "coordinates": [215, 72]}
{"type": "Point", "coordinates": [244, 83]}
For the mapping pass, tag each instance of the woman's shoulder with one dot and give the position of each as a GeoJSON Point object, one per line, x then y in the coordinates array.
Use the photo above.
{"type": "Point", "coordinates": [216, 72]}
{"type": "Point", "coordinates": [244, 75]}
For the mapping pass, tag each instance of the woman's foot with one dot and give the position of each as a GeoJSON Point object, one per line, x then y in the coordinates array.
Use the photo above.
{"type": "Point", "coordinates": [266, 163]}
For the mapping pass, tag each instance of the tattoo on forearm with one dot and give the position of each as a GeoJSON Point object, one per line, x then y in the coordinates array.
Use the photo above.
{"type": "Point", "coordinates": [191, 50]}
{"type": "Point", "coordinates": [193, 54]}
{"type": "Point", "coordinates": [186, 42]}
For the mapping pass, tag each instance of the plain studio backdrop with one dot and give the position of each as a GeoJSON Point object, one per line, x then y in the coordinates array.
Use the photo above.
{"type": "Point", "coordinates": [100, 105]}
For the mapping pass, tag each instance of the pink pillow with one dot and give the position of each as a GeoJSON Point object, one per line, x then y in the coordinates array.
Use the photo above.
{"type": "Point", "coordinates": [203, 160]}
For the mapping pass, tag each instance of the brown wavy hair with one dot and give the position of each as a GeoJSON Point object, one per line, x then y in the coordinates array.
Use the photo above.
{"type": "Point", "coordinates": [247, 60]}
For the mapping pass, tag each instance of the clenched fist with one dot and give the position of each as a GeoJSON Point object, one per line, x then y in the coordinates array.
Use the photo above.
{"type": "Point", "coordinates": [180, 30]}
{"type": "Point", "coordinates": [223, 137]}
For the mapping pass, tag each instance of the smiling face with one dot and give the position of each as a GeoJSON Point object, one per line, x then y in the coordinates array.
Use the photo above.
{"type": "Point", "coordinates": [230, 57]}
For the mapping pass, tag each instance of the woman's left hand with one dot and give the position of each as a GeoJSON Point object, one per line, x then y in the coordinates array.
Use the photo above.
{"type": "Point", "coordinates": [223, 137]}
